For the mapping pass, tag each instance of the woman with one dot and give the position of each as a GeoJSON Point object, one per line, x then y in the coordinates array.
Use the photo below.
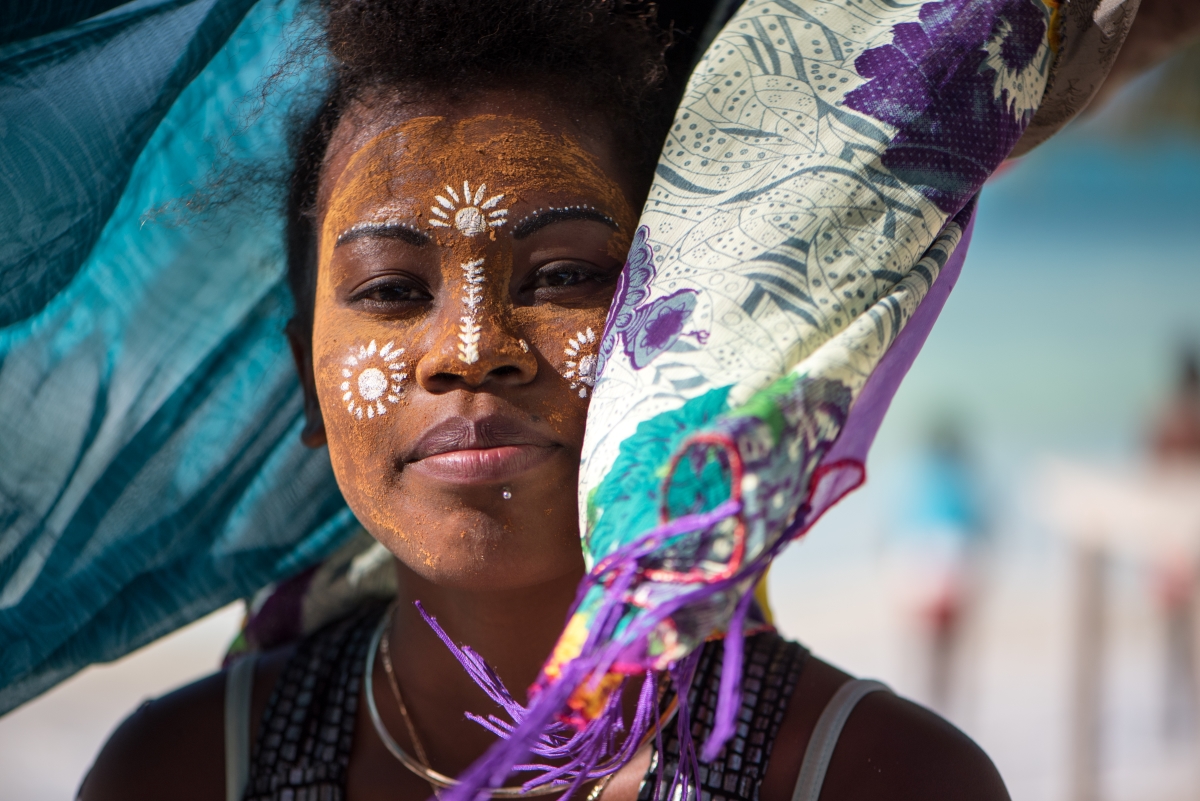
{"type": "Point", "coordinates": [460, 212]}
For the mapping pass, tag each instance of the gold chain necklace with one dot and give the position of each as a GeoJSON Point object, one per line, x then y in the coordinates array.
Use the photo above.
{"type": "Point", "coordinates": [385, 652]}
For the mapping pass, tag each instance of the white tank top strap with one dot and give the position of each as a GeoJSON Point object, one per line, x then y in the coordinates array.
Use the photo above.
{"type": "Point", "coordinates": [239, 685]}
{"type": "Point", "coordinates": [825, 736]}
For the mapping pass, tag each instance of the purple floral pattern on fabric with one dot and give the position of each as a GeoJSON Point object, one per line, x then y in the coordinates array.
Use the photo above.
{"type": "Point", "coordinates": [644, 330]}
{"type": "Point", "coordinates": [803, 208]}
{"type": "Point", "coordinates": [954, 84]}
{"type": "Point", "coordinates": [658, 325]}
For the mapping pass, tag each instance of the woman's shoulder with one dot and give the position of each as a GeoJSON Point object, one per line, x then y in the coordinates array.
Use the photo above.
{"type": "Point", "coordinates": [890, 748]}
{"type": "Point", "coordinates": [174, 746]}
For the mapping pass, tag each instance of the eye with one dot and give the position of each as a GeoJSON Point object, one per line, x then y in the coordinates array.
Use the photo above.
{"type": "Point", "coordinates": [563, 273]}
{"type": "Point", "coordinates": [390, 293]}
{"type": "Point", "coordinates": [561, 280]}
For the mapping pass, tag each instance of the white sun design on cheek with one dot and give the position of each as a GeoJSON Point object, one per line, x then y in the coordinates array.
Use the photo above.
{"type": "Point", "coordinates": [472, 214]}
{"type": "Point", "coordinates": [372, 376]}
{"type": "Point", "coordinates": [581, 362]}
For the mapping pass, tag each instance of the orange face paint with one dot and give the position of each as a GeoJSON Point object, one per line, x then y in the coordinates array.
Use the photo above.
{"type": "Point", "coordinates": [458, 209]}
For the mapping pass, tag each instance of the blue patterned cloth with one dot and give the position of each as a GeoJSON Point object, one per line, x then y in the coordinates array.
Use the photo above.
{"type": "Point", "coordinates": [150, 465]}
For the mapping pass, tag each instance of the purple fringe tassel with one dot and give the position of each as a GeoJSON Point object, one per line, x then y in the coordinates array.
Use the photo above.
{"type": "Point", "coordinates": [592, 752]}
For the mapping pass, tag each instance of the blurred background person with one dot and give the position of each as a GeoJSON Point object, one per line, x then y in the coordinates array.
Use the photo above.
{"type": "Point", "coordinates": [938, 548]}
{"type": "Point", "coordinates": [1175, 444]}
{"type": "Point", "coordinates": [1175, 438]}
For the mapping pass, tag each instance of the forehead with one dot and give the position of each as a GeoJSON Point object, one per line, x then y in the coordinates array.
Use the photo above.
{"type": "Point", "coordinates": [398, 168]}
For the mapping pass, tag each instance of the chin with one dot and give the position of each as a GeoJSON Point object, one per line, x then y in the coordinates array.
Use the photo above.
{"type": "Point", "coordinates": [471, 549]}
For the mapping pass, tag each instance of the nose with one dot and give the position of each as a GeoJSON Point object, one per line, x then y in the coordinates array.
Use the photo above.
{"type": "Point", "coordinates": [472, 350]}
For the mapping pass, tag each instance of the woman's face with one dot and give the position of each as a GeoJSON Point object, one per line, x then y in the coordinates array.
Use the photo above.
{"type": "Point", "coordinates": [466, 262]}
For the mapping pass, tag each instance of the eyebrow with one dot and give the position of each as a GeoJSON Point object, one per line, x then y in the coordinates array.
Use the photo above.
{"type": "Point", "coordinates": [390, 230]}
{"type": "Point", "coordinates": [539, 219]}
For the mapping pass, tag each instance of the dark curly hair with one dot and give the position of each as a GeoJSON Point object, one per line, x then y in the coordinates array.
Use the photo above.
{"type": "Point", "coordinates": [612, 56]}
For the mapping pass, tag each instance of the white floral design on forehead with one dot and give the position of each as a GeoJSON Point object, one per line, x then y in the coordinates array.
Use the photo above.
{"type": "Point", "coordinates": [372, 375]}
{"type": "Point", "coordinates": [581, 364]}
{"type": "Point", "coordinates": [469, 210]}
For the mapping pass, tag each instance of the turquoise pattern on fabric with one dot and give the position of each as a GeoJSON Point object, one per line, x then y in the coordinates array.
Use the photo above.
{"type": "Point", "coordinates": [150, 464]}
{"type": "Point", "coordinates": [614, 508]}
{"type": "Point", "coordinates": [77, 106]}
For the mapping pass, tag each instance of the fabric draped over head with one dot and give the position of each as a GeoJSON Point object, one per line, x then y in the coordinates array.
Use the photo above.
{"type": "Point", "coordinates": [809, 216]}
{"type": "Point", "coordinates": [150, 463]}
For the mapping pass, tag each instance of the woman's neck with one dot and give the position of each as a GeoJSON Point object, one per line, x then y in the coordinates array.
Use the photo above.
{"type": "Point", "coordinates": [512, 629]}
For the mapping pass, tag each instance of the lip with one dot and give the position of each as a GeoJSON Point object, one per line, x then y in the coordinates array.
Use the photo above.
{"type": "Point", "coordinates": [483, 465]}
{"type": "Point", "coordinates": [490, 449]}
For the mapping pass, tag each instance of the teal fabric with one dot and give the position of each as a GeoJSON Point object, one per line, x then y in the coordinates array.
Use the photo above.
{"type": "Point", "coordinates": [150, 466]}
{"type": "Point", "coordinates": [25, 19]}
{"type": "Point", "coordinates": [76, 108]}
{"type": "Point", "coordinates": [150, 463]}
